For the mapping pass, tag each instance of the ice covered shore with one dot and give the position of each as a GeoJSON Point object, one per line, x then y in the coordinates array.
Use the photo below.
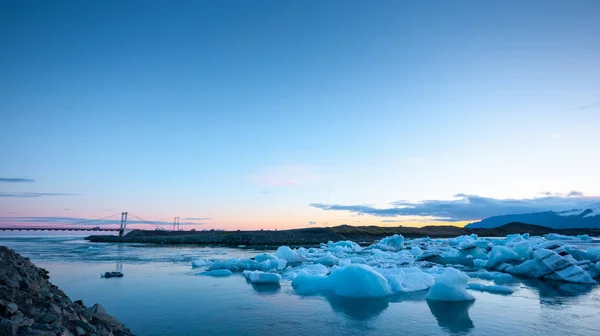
{"type": "Point", "coordinates": [396, 265]}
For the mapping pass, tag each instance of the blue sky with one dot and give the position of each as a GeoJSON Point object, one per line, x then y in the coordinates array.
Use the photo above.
{"type": "Point", "coordinates": [249, 112]}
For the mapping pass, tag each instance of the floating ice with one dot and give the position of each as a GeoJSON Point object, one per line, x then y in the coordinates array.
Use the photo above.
{"type": "Point", "coordinates": [343, 246]}
{"type": "Point", "coordinates": [415, 251]}
{"type": "Point", "coordinates": [200, 263]}
{"type": "Point", "coordinates": [305, 283]}
{"type": "Point", "coordinates": [291, 256]}
{"type": "Point", "coordinates": [563, 268]}
{"type": "Point", "coordinates": [489, 275]}
{"type": "Point", "coordinates": [221, 264]}
{"type": "Point", "coordinates": [264, 256]}
{"type": "Point", "coordinates": [328, 260]}
{"type": "Point", "coordinates": [246, 264]}
{"type": "Point", "coordinates": [259, 277]}
{"type": "Point", "coordinates": [404, 280]}
{"type": "Point", "coordinates": [490, 288]}
{"type": "Point", "coordinates": [358, 281]}
{"type": "Point", "coordinates": [217, 272]}
{"type": "Point", "coordinates": [450, 286]}
{"type": "Point", "coordinates": [391, 243]}
{"type": "Point", "coordinates": [501, 254]}
{"type": "Point", "coordinates": [272, 264]}
{"type": "Point", "coordinates": [479, 262]}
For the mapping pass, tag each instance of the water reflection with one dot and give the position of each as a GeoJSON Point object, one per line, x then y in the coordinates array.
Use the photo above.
{"type": "Point", "coordinates": [558, 293]}
{"type": "Point", "coordinates": [452, 317]}
{"type": "Point", "coordinates": [358, 309]}
{"type": "Point", "coordinates": [266, 289]}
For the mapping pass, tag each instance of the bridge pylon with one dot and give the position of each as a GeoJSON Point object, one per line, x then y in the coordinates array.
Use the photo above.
{"type": "Point", "coordinates": [175, 223]}
{"type": "Point", "coordinates": [123, 224]}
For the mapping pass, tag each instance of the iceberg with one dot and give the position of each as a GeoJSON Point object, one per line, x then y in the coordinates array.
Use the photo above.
{"type": "Point", "coordinates": [246, 264]}
{"type": "Point", "coordinates": [490, 288]}
{"type": "Point", "coordinates": [291, 256]}
{"type": "Point", "coordinates": [355, 281]}
{"type": "Point", "coordinates": [450, 286]}
{"type": "Point", "coordinates": [358, 281]}
{"type": "Point", "coordinates": [305, 283]}
{"type": "Point", "coordinates": [501, 254]}
{"type": "Point", "coordinates": [328, 260]}
{"type": "Point", "coordinates": [391, 243]}
{"type": "Point", "coordinates": [563, 268]}
{"type": "Point", "coordinates": [343, 246]}
{"type": "Point", "coordinates": [405, 280]}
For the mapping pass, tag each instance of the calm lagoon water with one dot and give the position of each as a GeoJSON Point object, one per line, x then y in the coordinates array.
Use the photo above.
{"type": "Point", "coordinates": [162, 295]}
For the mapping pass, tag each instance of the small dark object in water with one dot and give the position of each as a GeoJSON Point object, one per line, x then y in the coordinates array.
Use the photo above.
{"type": "Point", "coordinates": [112, 275]}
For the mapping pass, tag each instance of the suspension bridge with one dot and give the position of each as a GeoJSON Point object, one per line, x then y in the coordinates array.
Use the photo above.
{"type": "Point", "coordinates": [105, 224]}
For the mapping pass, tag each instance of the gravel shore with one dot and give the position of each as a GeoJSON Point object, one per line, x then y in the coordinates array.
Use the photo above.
{"type": "Point", "coordinates": [31, 305]}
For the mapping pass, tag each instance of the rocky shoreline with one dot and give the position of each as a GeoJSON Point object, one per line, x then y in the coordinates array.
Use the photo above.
{"type": "Point", "coordinates": [31, 305]}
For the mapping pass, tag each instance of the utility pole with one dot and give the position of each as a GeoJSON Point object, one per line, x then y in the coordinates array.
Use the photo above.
{"type": "Point", "coordinates": [123, 224]}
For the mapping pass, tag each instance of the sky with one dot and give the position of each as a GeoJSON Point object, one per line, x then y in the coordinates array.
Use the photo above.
{"type": "Point", "coordinates": [282, 114]}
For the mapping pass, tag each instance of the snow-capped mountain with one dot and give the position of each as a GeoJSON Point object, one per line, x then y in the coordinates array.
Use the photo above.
{"type": "Point", "coordinates": [567, 219]}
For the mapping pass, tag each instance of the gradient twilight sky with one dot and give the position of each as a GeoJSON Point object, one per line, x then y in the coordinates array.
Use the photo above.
{"type": "Point", "coordinates": [248, 112]}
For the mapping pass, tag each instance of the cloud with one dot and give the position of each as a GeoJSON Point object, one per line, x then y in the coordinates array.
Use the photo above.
{"type": "Point", "coordinates": [31, 194]}
{"type": "Point", "coordinates": [288, 175]}
{"type": "Point", "coordinates": [16, 180]}
{"type": "Point", "coordinates": [197, 218]}
{"type": "Point", "coordinates": [392, 221]}
{"type": "Point", "coordinates": [470, 207]}
{"type": "Point", "coordinates": [312, 222]}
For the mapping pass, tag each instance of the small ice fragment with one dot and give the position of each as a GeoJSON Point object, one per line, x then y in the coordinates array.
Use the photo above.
{"type": "Point", "coordinates": [259, 277]}
{"type": "Point", "coordinates": [450, 286]}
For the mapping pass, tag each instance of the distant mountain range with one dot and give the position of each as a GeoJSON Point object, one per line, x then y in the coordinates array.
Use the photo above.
{"type": "Point", "coordinates": [569, 219]}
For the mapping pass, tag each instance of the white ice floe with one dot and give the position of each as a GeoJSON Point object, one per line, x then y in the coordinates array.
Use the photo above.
{"type": "Point", "coordinates": [450, 286]}
{"type": "Point", "coordinates": [259, 277]}
{"type": "Point", "coordinates": [343, 246]}
{"type": "Point", "coordinates": [490, 288]}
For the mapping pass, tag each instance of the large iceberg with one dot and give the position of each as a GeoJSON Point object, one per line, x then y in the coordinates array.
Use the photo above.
{"type": "Point", "coordinates": [450, 286]}
{"type": "Point", "coordinates": [356, 281]}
